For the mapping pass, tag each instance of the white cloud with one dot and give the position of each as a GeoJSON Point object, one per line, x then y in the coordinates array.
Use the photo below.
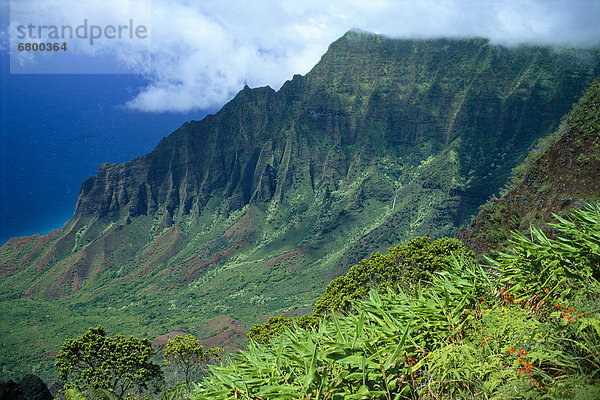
{"type": "Point", "coordinates": [204, 52]}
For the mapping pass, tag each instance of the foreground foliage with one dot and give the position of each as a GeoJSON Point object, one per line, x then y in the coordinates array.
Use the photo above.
{"type": "Point", "coordinates": [116, 365]}
{"type": "Point", "coordinates": [404, 264]}
{"type": "Point", "coordinates": [525, 326]}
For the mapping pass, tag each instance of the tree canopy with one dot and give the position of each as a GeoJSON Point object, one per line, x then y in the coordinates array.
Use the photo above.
{"type": "Point", "coordinates": [404, 265]}
{"type": "Point", "coordinates": [97, 361]}
{"type": "Point", "coordinates": [186, 354]}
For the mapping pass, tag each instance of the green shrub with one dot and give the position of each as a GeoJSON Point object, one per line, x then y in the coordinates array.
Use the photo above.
{"type": "Point", "coordinates": [109, 364]}
{"type": "Point", "coordinates": [405, 265]}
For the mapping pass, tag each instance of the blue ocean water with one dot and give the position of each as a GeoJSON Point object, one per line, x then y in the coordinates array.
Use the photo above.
{"type": "Point", "coordinates": [55, 130]}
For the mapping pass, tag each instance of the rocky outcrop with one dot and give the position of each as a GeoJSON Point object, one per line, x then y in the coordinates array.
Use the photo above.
{"type": "Point", "coordinates": [30, 387]}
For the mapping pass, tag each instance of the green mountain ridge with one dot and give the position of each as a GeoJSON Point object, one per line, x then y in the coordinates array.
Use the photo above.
{"type": "Point", "coordinates": [558, 177]}
{"type": "Point", "coordinates": [480, 321]}
{"type": "Point", "coordinates": [560, 174]}
{"type": "Point", "coordinates": [251, 211]}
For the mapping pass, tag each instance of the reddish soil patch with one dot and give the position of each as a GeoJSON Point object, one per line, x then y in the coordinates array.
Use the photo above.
{"type": "Point", "coordinates": [242, 225]}
{"type": "Point", "coordinates": [169, 240]}
{"type": "Point", "coordinates": [289, 259]}
{"type": "Point", "coordinates": [244, 228]}
{"type": "Point", "coordinates": [222, 323]}
{"type": "Point", "coordinates": [14, 262]}
{"type": "Point", "coordinates": [233, 337]}
{"type": "Point", "coordinates": [231, 340]}
{"type": "Point", "coordinates": [161, 341]}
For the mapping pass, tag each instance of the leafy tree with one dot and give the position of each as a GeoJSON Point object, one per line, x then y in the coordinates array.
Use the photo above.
{"type": "Point", "coordinates": [262, 333]}
{"type": "Point", "coordinates": [404, 265]}
{"type": "Point", "coordinates": [117, 364]}
{"type": "Point", "coordinates": [186, 354]}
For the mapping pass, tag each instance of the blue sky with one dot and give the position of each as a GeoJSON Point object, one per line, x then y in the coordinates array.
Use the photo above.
{"type": "Point", "coordinates": [57, 128]}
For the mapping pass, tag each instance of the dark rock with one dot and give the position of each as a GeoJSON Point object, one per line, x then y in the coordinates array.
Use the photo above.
{"type": "Point", "coordinates": [33, 388]}
{"type": "Point", "coordinates": [9, 390]}
{"type": "Point", "coordinates": [30, 387]}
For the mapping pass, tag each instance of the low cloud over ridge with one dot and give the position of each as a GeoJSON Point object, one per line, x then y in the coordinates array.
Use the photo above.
{"type": "Point", "coordinates": [204, 52]}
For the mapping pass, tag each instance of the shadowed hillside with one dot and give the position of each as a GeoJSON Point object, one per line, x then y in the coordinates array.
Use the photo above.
{"type": "Point", "coordinates": [560, 174]}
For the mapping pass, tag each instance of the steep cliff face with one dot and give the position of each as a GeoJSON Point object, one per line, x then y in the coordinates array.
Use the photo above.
{"type": "Point", "coordinates": [561, 173]}
{"type": "Point", "coordinates": [213, 157]}
{"type": "Point", "coordinates": [280, 191]}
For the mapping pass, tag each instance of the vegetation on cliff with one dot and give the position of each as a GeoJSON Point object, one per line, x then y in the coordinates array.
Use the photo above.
{"type": "Point", "coordinates": [561, 173]}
